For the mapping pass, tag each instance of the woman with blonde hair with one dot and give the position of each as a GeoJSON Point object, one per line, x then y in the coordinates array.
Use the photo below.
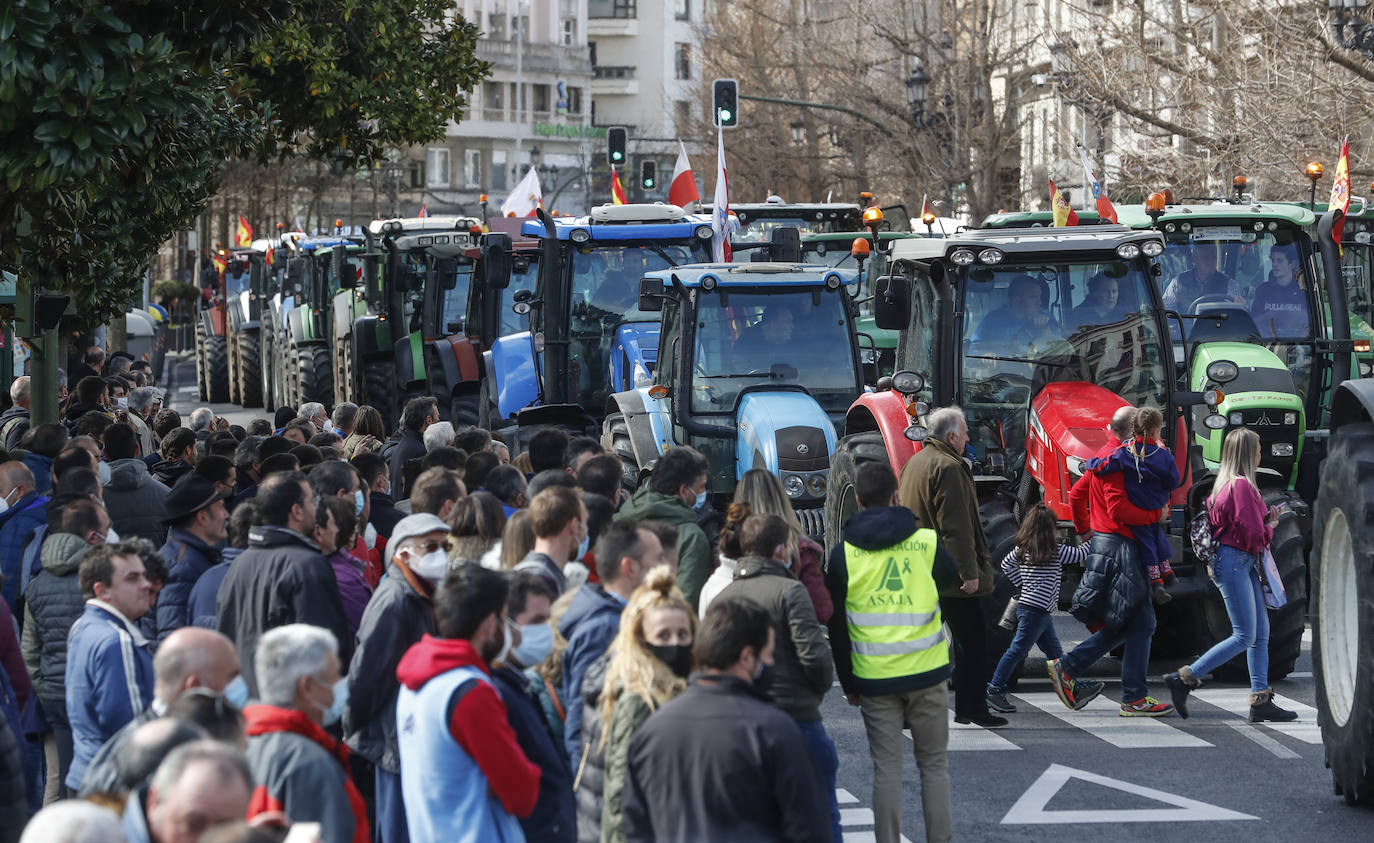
{"type": "Point", "coordinates": [1243, 528]}
{"type": "Point", "coordinates": [649, 662]}
{"type": "Point", "coordinates": [517, 539]}
{"type": "Point", "coordinates": [764, 494]}
{"type": "Point", "coordinates": [369, 432]}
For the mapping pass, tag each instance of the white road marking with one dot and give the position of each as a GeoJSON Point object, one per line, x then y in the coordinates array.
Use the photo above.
{"type": "Point", "coordinates": [1102, 719]}
{"type": "Point", "coordinates": [1237, 701]}
{"type": "Point", "coordinates": [1265, 741]}
{"type": "Point", "coordinates": [969, 737]}
{"type": "Point", "coordinates": [856, 816]}
{"type": "Point", "coordinates": [1300, 674]}
{"type": "Point", "coordinates": [1030, 808]}
{"type": "Point", "coordinates": [844, 797]}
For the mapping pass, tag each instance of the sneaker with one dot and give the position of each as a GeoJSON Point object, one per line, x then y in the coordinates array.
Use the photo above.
{"type": "Point", "coordinates": [998, 702]}
{"type": "Point", "coordinates": [986, 719]}
{"type": "Point", "coordinates": [1146, 707]}
{"type": "Point", "coordinates": [1074, 694]}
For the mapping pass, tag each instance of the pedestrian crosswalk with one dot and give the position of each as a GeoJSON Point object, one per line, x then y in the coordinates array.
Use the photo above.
{"type": "Point", "coordinates": [856, 820]}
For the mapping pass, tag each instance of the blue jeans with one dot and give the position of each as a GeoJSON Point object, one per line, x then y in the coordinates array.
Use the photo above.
{"type": "Point", "coordinates": [827, 763]}
{"type": "Point", "coordinates": [1238, 580]}
{"type": "Point", "coordinates": [1034, 627]}
{"type": "Point", "coordinates": [391, 811]}
{"type": "Point", "coordinates": [1134, 660]}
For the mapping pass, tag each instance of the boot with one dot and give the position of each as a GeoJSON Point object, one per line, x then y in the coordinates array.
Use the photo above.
{"type": "Point", "coordinates": [1159, 595]}
{"type": "Point", "coordinates": [1262, 708]}
{"type": "Point", "coordinates": [1180, 685]}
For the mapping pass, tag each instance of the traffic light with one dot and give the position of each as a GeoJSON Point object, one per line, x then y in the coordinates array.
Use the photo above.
{"type": "Point", "coordinates": [648, 174]}
{"type": "Point", "coordinates": [616, 139]}
{"type": "Point", "coordinates": [725, 103]}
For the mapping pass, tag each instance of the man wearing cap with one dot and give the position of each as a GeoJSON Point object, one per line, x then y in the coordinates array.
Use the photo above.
{"type": "Point", "coordinates": [197, 523]}
{"type": "Point", "coordinates": [400, 613]}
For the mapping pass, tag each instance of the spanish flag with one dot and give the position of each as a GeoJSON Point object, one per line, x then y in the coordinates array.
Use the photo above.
{"type": "Point", "coordinates": [1340, 191]}
{"type": "Point", "coordinates": [243, 237]}
{"type": "Point", "coordinates": [617, 190]}
{"type": "Point", "coordinates": [1063, 212]}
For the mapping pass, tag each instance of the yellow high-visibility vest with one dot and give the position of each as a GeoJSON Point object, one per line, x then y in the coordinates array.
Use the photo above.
{"type": "Point", "coordinates": [893, 609]}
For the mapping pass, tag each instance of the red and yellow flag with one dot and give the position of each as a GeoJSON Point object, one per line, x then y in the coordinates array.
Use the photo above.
{"type": "Point", "coordinates": [617, 189]}
{"type": "Point", "coordinates": [1340, 190]}
{"type": "Point", "coordinates": [243, 237]}
{"type": "Point", "coordinates": [220, 258]}
{"type": "Point", "coordinates": [1063, 212]}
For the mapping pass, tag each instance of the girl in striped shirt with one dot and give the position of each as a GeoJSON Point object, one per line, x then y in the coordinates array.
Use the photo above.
{"type": "Point", "coordinates": [1034, 566]}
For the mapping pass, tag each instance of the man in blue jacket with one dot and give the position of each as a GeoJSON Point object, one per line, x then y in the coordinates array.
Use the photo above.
{"type": "Point", "coordinates": [199, 521]}
{"type": "Point", "coordinates": [109, 673]}
{"type": "Point", "coordinates": [25, 512]}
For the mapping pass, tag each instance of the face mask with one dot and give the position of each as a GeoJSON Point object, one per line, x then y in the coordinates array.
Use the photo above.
{"type": "Point", "coordinates": [370, 537]}
{"type": "Point", "coordinates": [583, 546]}
{"type": "Point", "coordinates": [432, 566]}
{"type": "Point", "coordinates": [536, 642]}
{"type": "Point", "coordinates": [112, 537]}
{"type": "Point", "coordinates": [358, 502]}
{"type": "Point", "coordinates": [5, 501]}
{"type": "Point", "coordinates": [102, 471]}
{"type": "Point", "coordinates": [701, 500]}
{"type": "Point", "coordinates": [122, 402]}
{"type": "Point", "coordinates": [330, 716]}
{"type": "Point", "coordinates": [763, 677]}
{"type": "Point", "coordinates": [678, 657]}
{"type": "Point", "coordinates": [236, 692]}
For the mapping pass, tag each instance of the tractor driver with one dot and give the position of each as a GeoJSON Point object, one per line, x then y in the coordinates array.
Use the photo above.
{"type": "Point", "coordinates": [1102, 305]}
{"type": "Point", "coordinates": [1023, 322]}
{"type": "Point", "coordinates": [618, 291]}
{"type": "Point", "coordinates": [1280, 306]}
{"type": "Point", "coordinates": [1204, 279]}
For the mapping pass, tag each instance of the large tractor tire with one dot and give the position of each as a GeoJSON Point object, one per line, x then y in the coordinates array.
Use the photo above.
{"type": "Point", "coordinates": [840, 501]}
{"type": "Point", "coordinates": [315, 376]}
{"type": "Point", "coordinates": [1000, 527]}
{"type": "Point", "coordinates": [1343, 611]}
{"type": "Point", "coordinates": [217, 369]}
{"type": "Point", "coordinates": [268, 358]}
{"type": "Point", "coordinates": [466, 409]}
{"type": "Point", "coordinates": [250, 365]}
{"type": "Point", "coordinates": [232, 352]}
{"type": "Point", "coordinates": [202, 372]}
{"type": "Point", "coordinates": [615, 438]}
{"type": "Point", "coordinates": [379, 390]}
{"type": "Point", "coordinates": [1286, 624]}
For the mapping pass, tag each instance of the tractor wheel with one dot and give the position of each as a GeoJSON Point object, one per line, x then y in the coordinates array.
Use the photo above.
{"type": "Point", "coordinates": [379, 389]}
{"type": "Point", "coordinates": [466, 409]}
{"type": "Point", "coordinates": [487, 413]}
{"type": "Point", "coordinates": [840, 501]}
{"type": "Point", "coordinates": [217, 367]}
{"type": "Point", "coordinates": [1000, 527]}
{"type": "Point", "coordinates": [232, 348]}
{"type": "Point", "coordinates": [315, 375]}
{"type": "Point", "coordinates": [1286, 624]}
{"type": "Point", "coordinates": [615, 438]}
{"type": "Point", "coordinates": [250, 362]}
{"type": "Point", "coordinates": [202, 373]}
{"type": "Point", "coordinates": [268, 358]}
{"type": "Point", "coordinates": [1343, 614]}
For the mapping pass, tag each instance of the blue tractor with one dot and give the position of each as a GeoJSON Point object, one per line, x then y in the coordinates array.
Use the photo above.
{"type": "Point", "coordinates": [761, 361]}
{"type": "Point", "coordinates": [583, 315]}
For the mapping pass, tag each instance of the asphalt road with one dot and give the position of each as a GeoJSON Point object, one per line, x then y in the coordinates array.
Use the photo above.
{"type": "Point", "coordinates": [1054, 774]}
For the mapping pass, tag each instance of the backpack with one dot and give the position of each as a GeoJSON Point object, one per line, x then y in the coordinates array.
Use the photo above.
{"type": "Point", "coordinates": [1200, 533]}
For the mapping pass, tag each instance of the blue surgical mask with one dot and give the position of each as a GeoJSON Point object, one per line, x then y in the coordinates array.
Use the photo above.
{"type": "Point", "coordinates": [102, 471]}
{"type": "Point", "coordinates": [536, 642]}
{"type": "Point", "coordinates": [358, 502]}
{"type": "Point", "coordinates": [701, 500]}
{"type": "Point", "coordinates": [583, 546]}
{"type": "Point", "coordinates": [236, 692]}
{"type": "Point", "coordinates": [331, 715]}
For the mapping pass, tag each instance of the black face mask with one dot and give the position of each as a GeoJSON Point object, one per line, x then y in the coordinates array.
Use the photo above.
{"type": "Point", "coordinates": [678, 657]}
{"type": "Point", "coordinates": [763, 677]}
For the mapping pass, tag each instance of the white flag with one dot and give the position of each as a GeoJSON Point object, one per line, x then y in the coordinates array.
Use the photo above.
{"type": "Point", "coordinates": [721, 223]}
{"type": "Point", "coordinates": [526, 196]}
{"type": "Point", "coordinates": [682, 190]}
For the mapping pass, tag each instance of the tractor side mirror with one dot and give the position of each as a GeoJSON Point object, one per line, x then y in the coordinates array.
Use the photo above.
{"type": "Point", "coordinates": [293, 278]}
{"type": "Point", "coordinates": [448, 273]}
{"type": "Point", "coordinates": [650, 295]}
{"type": "Point", "coordinates": [496, 262]}
{"type": "Point", "coordinates": [784, 245]}
{"type": "Point", "coordinates": [892, 302]}
{"type": "Point", "coordinates": [339, 267]}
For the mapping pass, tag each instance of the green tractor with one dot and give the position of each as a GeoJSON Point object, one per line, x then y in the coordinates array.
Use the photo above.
{"type": "Point", "coordinates": [314, 273]}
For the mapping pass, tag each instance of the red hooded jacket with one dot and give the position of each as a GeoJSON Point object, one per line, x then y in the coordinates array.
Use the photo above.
{"type": "Point", "coordinates": [1100, 504]}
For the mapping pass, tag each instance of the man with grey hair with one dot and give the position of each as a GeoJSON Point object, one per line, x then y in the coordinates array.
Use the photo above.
{"type": "Point", "coordinates": [73, 821]}
{"type": "Point", "coordinates": [937, 486]}
{"type": "Point", "coordinates": [15, 421]}
{"type": "Point", "coordinates": [313, 412]}
{"type": "Point", "coordinates": [345, 418]}
{"type": "Point", "coordinates": [202, 424]}
{"type": "Point", "coordinates": [200, 785]}
{"type": "Point", "coordinates": [438, 435]}
{"type": "Point", "coordinates": [301, 767]}
{"type": "Point", "coordinates": [143, 403]}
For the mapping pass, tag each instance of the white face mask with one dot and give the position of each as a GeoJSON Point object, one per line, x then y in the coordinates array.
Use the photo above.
{"type": "Point", "coordinates": [102, 472]}
{"type": "Point", "coordinates": [432, 566]}
{"type": "Point", "coordinates": [112, 537]}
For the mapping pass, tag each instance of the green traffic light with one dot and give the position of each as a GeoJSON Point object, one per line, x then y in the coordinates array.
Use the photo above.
{"type": "Point", "coordinates": [617, 156]}
{"type": "Point", "coordinates": [725, 115]}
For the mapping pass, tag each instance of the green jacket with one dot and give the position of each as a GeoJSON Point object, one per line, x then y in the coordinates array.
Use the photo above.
{"type": "Point", "coordinates": [694, 558]}
{"type": "Point", "coordinates": [627, 716]}
{"type": "Point", "coordinates": [937, 486]}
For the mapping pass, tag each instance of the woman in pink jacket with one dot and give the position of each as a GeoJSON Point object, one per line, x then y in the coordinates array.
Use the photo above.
{"type": "Point", "coordinates": [1243, 528]}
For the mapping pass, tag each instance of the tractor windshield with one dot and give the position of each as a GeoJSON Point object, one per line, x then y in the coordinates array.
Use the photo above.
{"type": "Point", "coordinates": [761, 228]}
{"type": "Point", "coordinates": [1357, 261]}
{"type": "Point", "coordinates": [236, 279]}
{"type": "Point", "coordinates": [523, 275]}
{"type": "Point", "coordinates": [793, 337]}
{"type": "Point", "coordinates": [1029, 325]}
{"type": "Point", "coordinates": [603, 293]}
{"type": "Point", "coordinates": [453, 298]}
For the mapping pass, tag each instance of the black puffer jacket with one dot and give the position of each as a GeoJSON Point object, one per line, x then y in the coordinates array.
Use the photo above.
{"type": "Point", "coordinates": [590, 779]}
{"type": "Point", "coordinates": [53, 602]}
{"type": "Point", "coordinates": [1113, 587]}
{"type": "Point", "coordinates": [281, 578]}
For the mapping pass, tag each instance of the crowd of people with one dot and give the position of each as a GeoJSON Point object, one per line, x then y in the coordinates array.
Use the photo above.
{"type": "Point", "coordinates": [313, 625]}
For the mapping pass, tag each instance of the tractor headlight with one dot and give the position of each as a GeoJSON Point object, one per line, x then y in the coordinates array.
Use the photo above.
{"type": "Point", "coordinates": [1237, 419]}
{"type": "Point", "coordinates": [1152, 248]}
{"type": "Point", "coordinates": [991, 256]}
{"type": "Point", "coordinates": [708, 282]}
{"type": "Point", "coordinates": [833, 281]}
{"type": "Point", "coordinates": [705, 232]}
{"type": "Point", "coordinates": [1366, 369]}
{"type": "Point", "coordinates": [579, 235]}
{"type": "Point", "coordinates": [915, 432]}
{"type": "Point", "coordinates": [1222, 371]}
{"type": "Point", "coordinates": [908, 383]}
{"type": "Point", "coordinates": [815, 485]}
{"type": "Point", "coordinates": [1215, 421]}
{"type": "Point", "coordinates": [1170, 227]}
{"type": "Point", "coordinates": [793, 485]}
{"type": "Point", "coordinates": [1128, 251]}
{"type": "Point", "coordinates": [1281, 449]}
{"type": "Point", "coordinates": [1290, 418]}
{"type": "Point", "coordinates": [962, 257]}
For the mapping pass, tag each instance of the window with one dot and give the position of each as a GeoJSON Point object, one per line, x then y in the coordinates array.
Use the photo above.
{"type": "Point", "coordinates": [682, 114]}
{"type": "Point", "coordinates": [574, 100]}
{"type": "Point", "coordinates": [472, 167]}
{"type": "Point", "coordinates": [493, 101]}
{"type": "Point", "coordinates": [610, 9]}
{"type": "Point", "coordinates": [569, 36]}
{"type": "Point", "coordinates": [541, 99]}
{"type": "Point", "coordinates": [518, 105]}
{"type": "Point", "coordinates": [415, 175]}
{"type": "Point", "coordinates": [682, 9]}
{"type": "Point", "coordinates": [496, 26]}
{"type": "Point", "coordinates": [436, 167]}
{"type": "Point", "coordinates": [498, 169]}
{"type": "Point", "coordinates": [683, 61]}
{"type": "Point", "coordinates": [591, 52]}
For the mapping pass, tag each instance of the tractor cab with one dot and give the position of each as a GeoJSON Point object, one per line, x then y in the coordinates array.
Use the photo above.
{"type": "Point", "coordinates": [757, 220]}
{"type": "Point", "coordinates": [314, 274]}
{"type": "Point", "coordinates": [759, 365]}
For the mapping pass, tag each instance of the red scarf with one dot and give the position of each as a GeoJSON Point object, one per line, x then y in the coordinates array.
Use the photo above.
{"type": "Point", "coordinates": [266, 719]}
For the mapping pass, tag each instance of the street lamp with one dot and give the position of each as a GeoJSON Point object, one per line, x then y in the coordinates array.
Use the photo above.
{"type": "Point", "coordinates": [798, 131]}
{"type": "Point", "coordinates": [1351, 32]}
{"type": "Point", "coordinates": [1314, 173]}
{"type": "Point", "coordinates": [917, 85]}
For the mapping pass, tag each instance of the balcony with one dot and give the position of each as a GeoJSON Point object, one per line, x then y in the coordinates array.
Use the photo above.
{"type": "Point", "coordinates": [614, 80]}
{"type": "Point", "coordinates": [537, 58]}
{"type": "Point", "coordinates": [599, 28]}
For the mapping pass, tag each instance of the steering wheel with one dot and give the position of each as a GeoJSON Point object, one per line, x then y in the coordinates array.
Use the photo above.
{"type": "Point", "coordinates": [1211, 298]}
